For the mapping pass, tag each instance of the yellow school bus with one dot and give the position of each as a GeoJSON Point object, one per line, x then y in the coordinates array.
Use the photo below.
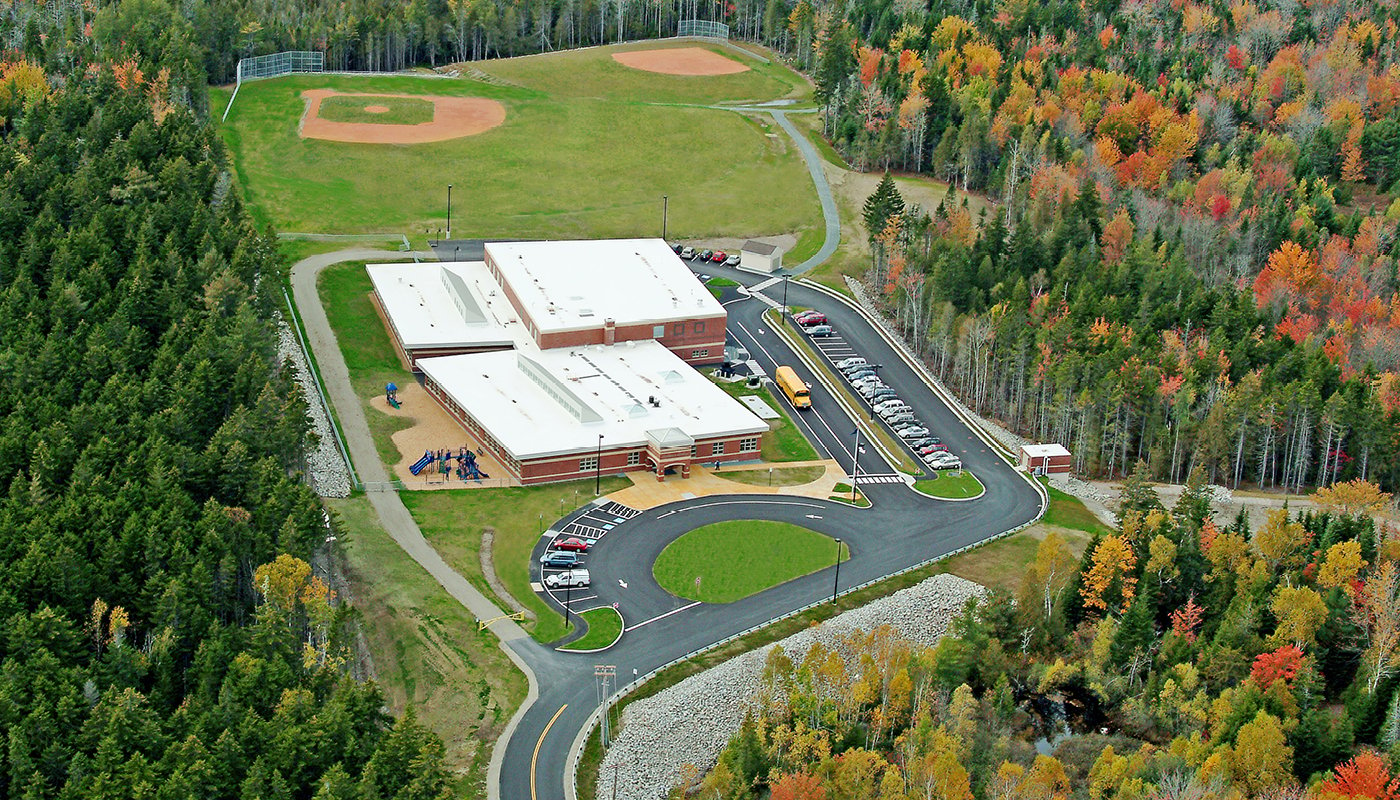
{"type": "Point", "coordinates": [797, 392]}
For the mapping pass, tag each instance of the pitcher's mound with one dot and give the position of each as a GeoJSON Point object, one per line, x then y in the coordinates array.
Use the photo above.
{"type": "Point", "coordinates": [680, 61]}
{"type": "Point", "coordinates": [453, 118]}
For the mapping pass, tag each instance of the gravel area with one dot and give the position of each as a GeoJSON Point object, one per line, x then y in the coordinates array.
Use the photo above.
{"type": "Point", "coordinates": [692, 721]}
{"type": "Point", "coordinates": [324, 465]}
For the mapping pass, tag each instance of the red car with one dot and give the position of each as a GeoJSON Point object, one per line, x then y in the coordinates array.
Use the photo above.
{"type": "Point", "coordinates": [575, 544]}
{"type": "Point", "coordinates": [719, 257]}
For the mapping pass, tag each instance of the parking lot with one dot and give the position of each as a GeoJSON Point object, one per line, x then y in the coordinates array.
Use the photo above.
{"type": "Point", "coordinates": [587, 527]}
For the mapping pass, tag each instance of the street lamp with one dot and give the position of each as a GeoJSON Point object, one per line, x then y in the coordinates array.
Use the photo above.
{"type": "Point", "coordinates": [568, 598]}
{"type": "Point", "coordinates": [855, 466]}
{"type": "Point", "coordinates": [664, 203]}
{"type": "Point", "coordinates": [837, 582]}
{"type": "Point", "coordinates": [770, 477]}
{"type": "Point", "coordinates": [785, 283]}
{"type": "Point", "coordinates": [598, 469]}
{"type": "Point", "coordinates": [875, 367]}
{"type": "Point", "coordinates": [449, 211]}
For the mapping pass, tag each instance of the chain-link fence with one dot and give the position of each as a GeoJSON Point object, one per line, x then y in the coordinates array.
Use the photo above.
{"type": "Point", "coordinates": [274, 65]}
{"type": "Point", "coordinates": [702, 28]}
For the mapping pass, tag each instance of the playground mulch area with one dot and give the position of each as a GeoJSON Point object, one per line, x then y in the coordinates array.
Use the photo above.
{"type": "Point", "coordinates": [433, 429]}
{"type": "Point", "coordinates": [679, 61]}
{"type": "Point", "coordinates": [453, 118]}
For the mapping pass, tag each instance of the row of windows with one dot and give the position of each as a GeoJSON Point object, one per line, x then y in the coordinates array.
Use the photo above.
{"type": "Point", "coordinates": [699, 353]}
{"type": "Point", "coordinates": [748, 445]}
{"type": "Point", "coordinates": [590, 463]}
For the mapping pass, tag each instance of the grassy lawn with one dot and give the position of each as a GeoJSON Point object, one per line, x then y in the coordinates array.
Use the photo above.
{"type": "Point", "coordinates": [785, 442]}
{"type": "Point", "coordinates": [454, 519]}
{"type": "Point", "coordinates": [426, 648]}
{"type": "Point", "coordinates": [369, 355]}
{"type": "Point", "coordinates": [756, 555]}
{"type": "Point", "coordinates": [952, 485]}
{"type": "Point", "coordinates": [594, 73]}
{"type": "Point", "coordinates": [1000, 563]}
{"type": "Point", "coordinates": [604, 628]}
{"type": "Point", "coordinates": [400, 110]}
{"type": "Point", "coordinates": [1066, 511]}
{"type": "Point", "coordinates": [902, 460]}
{"type": "Point", "coordinates": [773, 476]}
{"type": "Point", "coordinates": [559, 167]}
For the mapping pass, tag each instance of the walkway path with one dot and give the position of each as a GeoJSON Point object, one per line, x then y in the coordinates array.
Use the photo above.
{"type": "Point", "coordinates": [392, 513]}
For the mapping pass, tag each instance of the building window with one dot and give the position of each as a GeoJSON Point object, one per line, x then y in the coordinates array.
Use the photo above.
{"type": "Point", "coordinates": [657, 331]}
{"type": "Point", "coordinates": [634, 458]}
{"type": "Point", "coordinates": [588, 464]}
{"type": "Point", "coordinates": [694, 451]}
{"type": "Point", "coordinates": [719, 448]}
{"type": "Point", "coordinates": [699, 353]}
{"type": "Point", "coordinates": [678, 329]}
{"type": "Point", "coordinates": [700, 326]}
{"type": "Point", "coordinates": [748, 445]}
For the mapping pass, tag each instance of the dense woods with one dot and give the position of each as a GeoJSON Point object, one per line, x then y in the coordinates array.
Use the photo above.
{"type": "Point", "coordinates": [1174, 660]}
{"type": "Point", "coordinates": [1191, 260]}
{"type": "Point", "coordinates": [163, 633]}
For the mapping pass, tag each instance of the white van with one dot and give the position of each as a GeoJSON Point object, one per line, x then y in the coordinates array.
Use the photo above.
{"type": "Point", "coordinates": [568, 579]}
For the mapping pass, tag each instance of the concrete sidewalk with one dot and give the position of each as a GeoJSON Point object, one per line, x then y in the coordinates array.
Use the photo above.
{"type": "Point", "coordinates": [647, 492]}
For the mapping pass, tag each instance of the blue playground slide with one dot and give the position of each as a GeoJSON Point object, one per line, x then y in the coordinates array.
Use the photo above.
{"type": "Point", "coordinates": [421, 463]}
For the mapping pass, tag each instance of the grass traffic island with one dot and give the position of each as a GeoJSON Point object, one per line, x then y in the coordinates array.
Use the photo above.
{"type": "Point", "coordinates": [604, 629]}
{"type": "Point", "coordinates": [773, 476]}
{"type": "Point", "coordinates": [729, 561]}
{"type": "Point", "coordinates": [841, 493]}
{"type": "Point", "coordinates": [951, 485]}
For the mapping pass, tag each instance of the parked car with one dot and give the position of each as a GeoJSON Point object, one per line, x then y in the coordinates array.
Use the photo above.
{"type": "Point", "coordinates": [883, 393]}
{"type": "Point", "coordinates": [859, 374]}
{"type": "Point", "coordinates": [847, 363]}
{"type": "Point", "coordinates": [705, 254]}
{"type": "Point", "coordinates": [868, 391]}
{"type": "Point", "coordinates": [861, 382]}
{"type": "Point", "coordinates": [571, 543]}
{"type": "Point", "coordinates": [898, 420]}
{"type": "Point", "coordinates": [801, 315]}
{"type": "Point", "coordinates": [559, 558]}
{"type": "Point", "coordinates": [704, 278]}
{"type": "Point", "coordinates": [687, 252]}
{"type": "Point", "coordinates": [890, 405]}
{"type": "Point", "coordinates": [930, 449]}
{"type": "Point", "coordinates": [952, 462]}
{"type": "Point", "coordinates": [568, 579]}
{"type": "Point", "coordinates": [676, 248]}
{"type": "Point", "coordinates": [819, 330]}
{"type": "Point", "coordinates": [719, 256]}
{"type": "Point", "coordinates": [732, 261]}
{"type": "Point", "coordinates": [812, 319]}
{"type": "Point", "coordinates": [912, 432]}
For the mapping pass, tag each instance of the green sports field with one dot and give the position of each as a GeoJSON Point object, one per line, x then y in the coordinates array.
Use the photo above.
{"type": "Point", "coordinates": [587, 150]}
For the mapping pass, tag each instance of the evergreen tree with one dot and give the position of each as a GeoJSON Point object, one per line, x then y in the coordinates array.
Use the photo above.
{"type": "Point", "coordinates": [885, 202]}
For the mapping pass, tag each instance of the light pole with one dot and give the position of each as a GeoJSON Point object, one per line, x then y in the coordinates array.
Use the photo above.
{"type": "Point", "coordinates": [785, 282]}
{"type": "Point", "coordinates": [837, 582]}
{"type": "Point", "coordinates": [449, 211]}
{"type": "Point", "coordinates": [855, 466]}
{"type": "Point", "coordinates": [665, 201]}
{"type": "Point", "coordinates": [770, 477]}
{"type": "Point", "coordinates": [598, 469]}
{"type": "Point", "coordinates": [568, 598]}
{"type": "Point", "coordinates": [875, 367]}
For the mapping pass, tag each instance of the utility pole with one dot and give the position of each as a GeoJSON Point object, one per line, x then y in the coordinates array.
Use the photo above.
{"type": "Point", "coordinates": [449, 211]}
{"type": "Point", "coordinates": [785, 283]}
{"type": "Point", "coordinates": [664, 203]}
{"type": "Point", "coordinates": [604, 674]}
{"type": "Point", "coordinates": [836, 583]}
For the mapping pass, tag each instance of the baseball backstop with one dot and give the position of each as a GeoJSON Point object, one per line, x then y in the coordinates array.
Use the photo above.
{"type": "Point", "coordinates": [702, 28]}
{"type": "Point", "coordinates": [274, 65]}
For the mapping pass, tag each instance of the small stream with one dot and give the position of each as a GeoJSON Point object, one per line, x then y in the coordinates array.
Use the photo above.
{"type": "Point", "coordinates": [1058, 716]}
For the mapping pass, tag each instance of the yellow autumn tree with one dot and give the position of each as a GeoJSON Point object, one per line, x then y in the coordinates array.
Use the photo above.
{"type": "Point", "coordinates": [1300, 612]}
{"type": "Point", "coordinates": [1341, 565]}
{"type": "Point", "coordinates": [1281, 540]}
{"type": "Point", "coordinates": [1110, 578]}
{"type": "Point", "coordinates": [1261, 759]}
{"type": "Point", "coordinates": [1352, 498]}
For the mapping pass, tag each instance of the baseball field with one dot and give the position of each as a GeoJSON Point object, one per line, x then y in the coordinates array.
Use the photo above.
{"type": "Point", "coordinates": [576, 144]}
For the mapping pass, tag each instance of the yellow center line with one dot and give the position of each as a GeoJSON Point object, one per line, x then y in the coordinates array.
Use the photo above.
{"type": "Point", "coordinates": [536, 756]}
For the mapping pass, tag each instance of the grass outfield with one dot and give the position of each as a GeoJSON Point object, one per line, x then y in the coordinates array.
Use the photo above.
{"type": "Point", "coordinates": [740, 558]}
{"type": "Point", "coordinates": [557, 168]}
{"type": "Point", "coordinates": [426, 648]}
{"type": "Point", "coordinates": [604, 629]}
{"type": "Point", "coordinates": [593, 72]}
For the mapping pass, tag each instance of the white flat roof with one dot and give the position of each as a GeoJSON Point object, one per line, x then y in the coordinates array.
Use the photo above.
{"type": "Point", "coordinates": [455, 304]}
{"type": "Point", "coordinates": [578, 284]}
{"type": "Point", "coordinates": [1044, 450]}
{"type": "Point", "coordinates": [539, 403]}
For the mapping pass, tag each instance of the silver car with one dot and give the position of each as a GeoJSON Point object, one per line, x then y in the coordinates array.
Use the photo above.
{"type": "Point", "coordinates": [912, 432]}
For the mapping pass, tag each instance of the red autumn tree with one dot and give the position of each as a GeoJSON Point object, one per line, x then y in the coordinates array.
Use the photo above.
{"type": "Point", "coordinates": [1365, 775]}
{"type": "Point", "coordinates": [1281, 664]}
{"type": "Point", "coordinates": [1186, 620]}
{"type": "Point", "coordinates": [1234, 57]}
{"type": "Point", "coordinates": [798, 786]}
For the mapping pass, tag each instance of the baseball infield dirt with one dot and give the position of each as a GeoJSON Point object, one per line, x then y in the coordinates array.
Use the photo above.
{"type": "Point", "coordinates": [680, 61]}
{"type": "Point", "coordinates": [453, 118]}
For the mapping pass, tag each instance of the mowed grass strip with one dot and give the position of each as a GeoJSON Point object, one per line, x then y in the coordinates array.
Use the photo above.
{"type": "Point", "coordinates": [740, 558]}
{"type": "Point", "coordinates": [426, 649]}
{"type": "Point", "coordinates": [604, 629]}
{"type": "Point", "coordinates": [556, 168]}
{"type": "Point", "coordinates": [1067, 511]}
{"type": "Point", "coordinates": [950, 485]}
{"type": "Point", "coordinates": [773, 476]}
{"type": "Point", "coordinates": [398, 110]}
{"type": "Point", "coordinates": [593, 72]}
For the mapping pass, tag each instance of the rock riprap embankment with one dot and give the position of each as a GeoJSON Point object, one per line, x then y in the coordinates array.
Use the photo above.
{"type": "Point", "coordinates": [324, 466]}
{"type": "Point", "coordinates": [692, 721]}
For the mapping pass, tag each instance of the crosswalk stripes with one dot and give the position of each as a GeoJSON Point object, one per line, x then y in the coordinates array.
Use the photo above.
{"type": "Point", "coordinates": [867, 479]}
{"type": "Point", "coordinates": [758, 287]}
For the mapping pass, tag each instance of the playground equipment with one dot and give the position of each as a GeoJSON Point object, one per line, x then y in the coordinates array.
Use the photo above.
{"type": "Point", "coordinates": [467, 468]}
{"type": "Point", "coordinates": [391, 396]}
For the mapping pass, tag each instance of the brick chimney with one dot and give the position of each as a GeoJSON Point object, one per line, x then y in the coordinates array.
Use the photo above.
{"type": "Point", "coordinates": [609, 332]}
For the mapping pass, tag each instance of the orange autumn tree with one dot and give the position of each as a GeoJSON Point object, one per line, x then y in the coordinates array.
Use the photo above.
{"type": "Point", "coordinates": [1110, 577]}
{"type": "Point", "coordinates": [1365, 775]}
